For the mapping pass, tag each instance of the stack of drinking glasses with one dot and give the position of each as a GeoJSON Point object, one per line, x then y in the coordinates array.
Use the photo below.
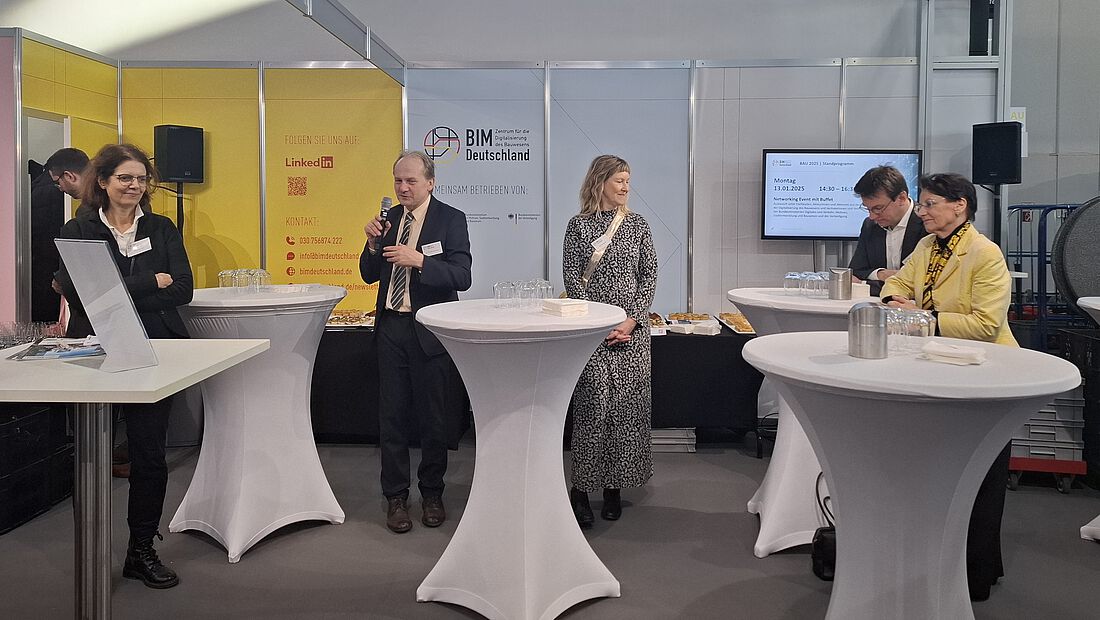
{"type": "Point", "coordinates": [252, 280]}
{"type": "Point", "coordinates": [907, 330]}
{"type": "Point", "coordinates": [522, 294]}
{"type": "Point", "coordinates": [14, 333]}
{"type": "Point", "coordinates": [814, 284]}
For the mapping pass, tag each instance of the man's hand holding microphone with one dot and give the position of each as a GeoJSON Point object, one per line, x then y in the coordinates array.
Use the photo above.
{"type": "Point", "coordinates": [399, 255]}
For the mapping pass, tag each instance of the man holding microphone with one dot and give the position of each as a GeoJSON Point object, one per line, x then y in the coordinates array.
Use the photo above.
{"type": "Point", "coordinates": [419, 253]}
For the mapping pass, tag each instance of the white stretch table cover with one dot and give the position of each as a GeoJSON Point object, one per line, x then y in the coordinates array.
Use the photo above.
{"type": "Point", "coordinates": [181, 364]}
{"type": "Point", "coordinates": [1091, 530]}
{"type": "Point", "coordinates": [905, 443]}
{"type": "Point", "coordinates": [258, 468]}
{"type": "Point", "coordinates": [518, 552]}
{"type": "Point", "coordinates": [787, 498]}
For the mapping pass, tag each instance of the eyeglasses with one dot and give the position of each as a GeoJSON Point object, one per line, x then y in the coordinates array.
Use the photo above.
{"type": "Point", "coordinates": [927, 204]}
{"type": "Point", "coordinates": [127, 179]}
{"type": "Point", "coordinates": [876, 210]}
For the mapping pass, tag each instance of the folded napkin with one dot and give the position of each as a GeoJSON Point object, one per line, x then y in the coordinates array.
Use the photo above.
{"type": "Point", "coordinates": [952, 353]}
{"type": "Point", "coordinates": [565, 307]}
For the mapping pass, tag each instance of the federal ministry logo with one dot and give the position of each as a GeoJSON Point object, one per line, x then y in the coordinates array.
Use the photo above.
{"type": "Point", "coordinates": [442, 144]}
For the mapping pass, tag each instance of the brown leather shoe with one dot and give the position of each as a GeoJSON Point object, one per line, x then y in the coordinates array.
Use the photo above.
{"type": "Point", "coordinates": [434, 514]}
{"type": "Point", "coordinates": [397, 515]}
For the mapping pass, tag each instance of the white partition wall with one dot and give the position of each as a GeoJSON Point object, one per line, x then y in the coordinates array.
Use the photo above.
{"type": "Point", "coordinates": [640, 114]}
{"type": "Point", "coordinates": [484, 128]}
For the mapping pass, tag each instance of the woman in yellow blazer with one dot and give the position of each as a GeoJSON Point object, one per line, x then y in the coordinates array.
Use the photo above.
{"type": "Point", "coordinates": [961, 276]}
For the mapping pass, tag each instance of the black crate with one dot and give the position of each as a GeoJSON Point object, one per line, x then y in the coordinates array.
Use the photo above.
{"type": "Point", "coordinates": [24, 436]}
{"type": "Point", "coordinates": [24, 495]}
{"type": "Point", "coordinates": [1082, 348]}
{"type": "Point", "coordinates": [60, 477]}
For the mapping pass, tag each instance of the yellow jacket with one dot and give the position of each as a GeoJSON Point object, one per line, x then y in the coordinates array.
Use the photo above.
{"type": "Point", "coordinates": [972, 294]}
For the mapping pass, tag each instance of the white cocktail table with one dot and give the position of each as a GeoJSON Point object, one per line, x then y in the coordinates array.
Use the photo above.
{"type": "Point", "coordinates": [905, 444]}
{"type": "Point", "coordinates": [787, 498]}
{"type": "Point", "coordinates": [182, 363]}
{"type": "Point", "coordinates": [258, 468]}
{"type": "Point", "coordinates": [518, 552]}
{"type": "Point", "coordinates": [1091, 530]}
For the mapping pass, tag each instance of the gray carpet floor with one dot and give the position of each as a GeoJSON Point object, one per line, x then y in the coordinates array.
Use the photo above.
{"type": "Point", "coordinates": [683, 549]}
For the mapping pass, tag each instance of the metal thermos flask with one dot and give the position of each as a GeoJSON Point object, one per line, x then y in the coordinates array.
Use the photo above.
{"type": "Point", "coordinates": [867, 330]}
{"type": "Point", "coordinates": [840, 283]}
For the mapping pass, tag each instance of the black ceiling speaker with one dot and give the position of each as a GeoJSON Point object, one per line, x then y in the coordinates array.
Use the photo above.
{"type": "Point", "coordinates": [177, 153]}
{"type": "Point", "coordinates": [997, 149]}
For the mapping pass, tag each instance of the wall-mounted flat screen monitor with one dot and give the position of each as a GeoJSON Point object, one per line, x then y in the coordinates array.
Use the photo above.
{"type": "Point", "coordinates": [807, 193]}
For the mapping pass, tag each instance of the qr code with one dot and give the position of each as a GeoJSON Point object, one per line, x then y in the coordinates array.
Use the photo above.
{"type": "Point", "coordinates": [296, 186]}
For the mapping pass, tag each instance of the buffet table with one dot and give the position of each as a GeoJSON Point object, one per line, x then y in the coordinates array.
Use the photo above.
{"type": "Point", "coordinates": [698, 381]}
{"type": "Point", "coordinates": [787, 498]}
{"type": "Point", "coordinates": [518, 551]}
{"type": "Point", "coordinates": [905, 444]}
{"type": "Point", "coordinates": [1091, 530]}
{"type": "Point", "coordinates": [258, 468]}
{"type": "Point", "coordinates": [181, 363]}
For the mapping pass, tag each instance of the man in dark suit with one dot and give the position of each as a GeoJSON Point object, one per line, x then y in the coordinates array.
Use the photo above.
{"type": "Point", "coordinates": [891, 230]}
{"type": "Point", "coordinates": [419, 254]}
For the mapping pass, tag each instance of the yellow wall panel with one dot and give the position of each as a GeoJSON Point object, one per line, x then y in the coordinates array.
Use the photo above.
{"type": "Point", "coordinates": [40, 94]}
{"type": "Point", "coordinates": [141, 84]}
{"type": "Point", "coordinates": [90, 136]}
{"type": "Point", "coordinates": [222, 214]}
{"type": "Point", "coordinates": [332, 135]}
{"type": "Point", "coordinates": [317, 84]}
{"type": "Point", "coordinates": [210, 83]}
{"type": "Point", "coordinates": [39, 60]}
{"type": "Point", "coordinates": [92, 106]}
{"type": "Point", "coordinates": [91, 75]}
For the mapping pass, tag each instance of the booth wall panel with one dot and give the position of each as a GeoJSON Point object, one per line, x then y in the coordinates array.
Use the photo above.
{"type": "Point", "coordinates": [710, 84]}
{"type": "Point", "coordinates": [709, 244]}
{"type": "Point", "coordinates": [789, 82]}
{"type": "Point", "coordinates": [881, 123]}
{"type": "Point", "coordinates": [641, 115]}
{"type": "Point", "coordinates": [881, 81]}
{"type": "Point", "coordinates": [506, 229]}
{"type": "Point", "coordinates": [7, 179]}
{"type": "Point", "coordinates": [354, 117]}
{"type": "Point", "coordinates": [222, 227]}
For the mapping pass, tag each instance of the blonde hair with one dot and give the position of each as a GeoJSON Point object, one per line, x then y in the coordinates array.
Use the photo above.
{"type": "Point", "coordinates": [599, 171]}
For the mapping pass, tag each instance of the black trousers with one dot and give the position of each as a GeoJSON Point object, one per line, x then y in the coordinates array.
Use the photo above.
{"type": "Point", "coordinates": [411, 387]}
{"type": "Point", "coordinates": [983, 537]}
{"type": "Point", "coordinates": [146, 433]}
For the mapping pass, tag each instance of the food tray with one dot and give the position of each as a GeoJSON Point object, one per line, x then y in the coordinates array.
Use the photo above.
{"type": "Point", "coordinates": [351, 319]}
{"type": "Point", "coordinates": [727, 319]}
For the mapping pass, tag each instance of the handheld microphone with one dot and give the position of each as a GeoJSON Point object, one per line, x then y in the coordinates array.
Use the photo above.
{"type": "Point", "coordinates": [387, 202]}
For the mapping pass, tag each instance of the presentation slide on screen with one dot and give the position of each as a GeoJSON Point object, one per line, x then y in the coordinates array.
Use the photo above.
{"type": "Point", "coordinates": [809, 194]}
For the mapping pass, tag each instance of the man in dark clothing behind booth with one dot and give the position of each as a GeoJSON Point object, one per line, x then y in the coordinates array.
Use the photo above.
{"type": "Point", "coordinates": [891, 230]}
{"type": "Point", "coordinates": [419, 253]}
{"type": "Point", "coordinates": [62, 174]}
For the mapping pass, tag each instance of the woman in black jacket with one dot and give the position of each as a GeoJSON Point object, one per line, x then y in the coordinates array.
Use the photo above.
{"type": "Point", "coordinates": [150, 255]}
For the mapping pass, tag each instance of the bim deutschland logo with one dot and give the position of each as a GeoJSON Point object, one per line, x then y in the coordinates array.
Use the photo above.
{"type": "Point", "coordinates": [324, 161]}
{"type": "Point", "coordinates": [444, 145]}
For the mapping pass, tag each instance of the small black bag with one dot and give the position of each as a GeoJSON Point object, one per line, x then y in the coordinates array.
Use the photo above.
{"type": "Point", "coordinates": [823, 546]}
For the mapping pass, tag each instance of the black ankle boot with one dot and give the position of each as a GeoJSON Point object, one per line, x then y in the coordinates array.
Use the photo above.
{"type": "Point", "coordinates": [581, 509]}
{"type": "Point", "coordinates": [142, 563]}
{"type": "Point", "coordinates": [612, 505]}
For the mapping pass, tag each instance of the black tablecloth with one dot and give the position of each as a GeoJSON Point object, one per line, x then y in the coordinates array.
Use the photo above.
{"type": "Point", "coordinates": [703, 381]}
{"type": "Point", "coordinates": [698, 381]}
{"type": "Point", "coordinates": [344, 400]}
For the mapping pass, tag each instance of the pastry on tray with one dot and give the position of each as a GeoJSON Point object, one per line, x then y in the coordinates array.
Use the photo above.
{"type": "Point", "coordinates": [737, 322]}
{"type": "Point", "coordinates": [688, 316]}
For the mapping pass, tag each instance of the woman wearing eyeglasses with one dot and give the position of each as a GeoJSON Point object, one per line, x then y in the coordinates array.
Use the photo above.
{"type": "Point", "coordinates": [150, 255]}
{"type": "Point", "coordinates": [961, 276]}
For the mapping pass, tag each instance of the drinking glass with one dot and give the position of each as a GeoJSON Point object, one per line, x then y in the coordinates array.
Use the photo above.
{"type": "Point", "coordinates": [260, 279]}
{"type": "Point", "coordinates": [920, 325]}
{"type": "Point", "coordinates": [896, 326]}
{"type": "Point", "coordinates": [530, 294]}
{"type": "Point", "coordinates": [503, 294]}
{"type": "Point", "coordinates": [814, 286]}
{"type": "Point", "coordinates": [792, 282]}
{"type": "Point", "coordinates": [225, 278]}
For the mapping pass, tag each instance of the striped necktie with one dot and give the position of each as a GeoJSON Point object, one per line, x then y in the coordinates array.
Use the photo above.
{"type": "Point", "coordinates": [401, 274]}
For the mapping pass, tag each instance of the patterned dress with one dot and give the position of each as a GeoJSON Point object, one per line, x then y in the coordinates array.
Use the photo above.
{"type": "Point", "coordinates": [612, 402]}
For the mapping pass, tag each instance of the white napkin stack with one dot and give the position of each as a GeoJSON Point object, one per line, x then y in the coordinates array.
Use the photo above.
{"type": "Point", "coordinates": [952, 354]}
{"type": "Point", "coordinates": [565, 307]}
